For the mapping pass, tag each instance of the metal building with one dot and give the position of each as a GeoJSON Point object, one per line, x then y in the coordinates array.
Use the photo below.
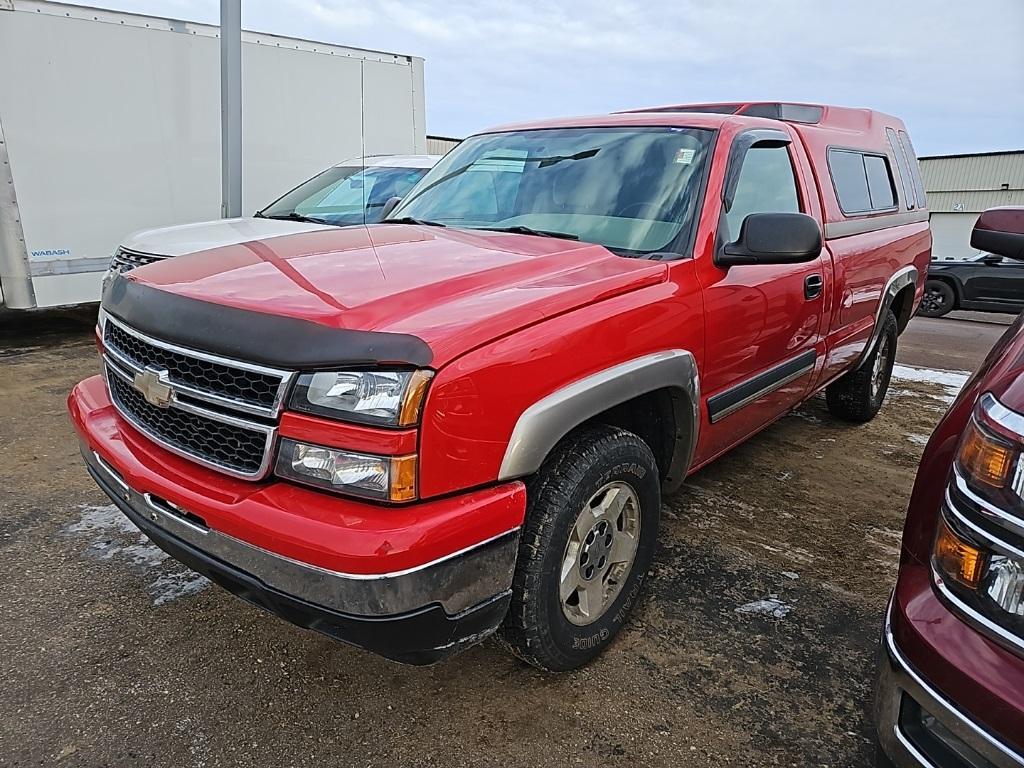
{"type": "Point", "coordinates": [439, 145]}
{"type": "Point", "coordinates": [960, 187]}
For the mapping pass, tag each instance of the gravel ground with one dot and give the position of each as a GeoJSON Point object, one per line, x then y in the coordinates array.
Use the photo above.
{"type": "Point", "coordinates": [754, 645]}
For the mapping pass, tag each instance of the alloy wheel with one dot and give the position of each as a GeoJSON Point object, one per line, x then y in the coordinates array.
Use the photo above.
{"type": "Point", "coordinates": [600, 553]}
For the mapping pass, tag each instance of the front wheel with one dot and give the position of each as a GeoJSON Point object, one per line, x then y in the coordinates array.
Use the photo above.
{"type": "Point", "coordinates": [858, 395]}
{"type": "Point", "coordinates": [938, 299]}
{"type": "Point", "coordinates": [587, 543]}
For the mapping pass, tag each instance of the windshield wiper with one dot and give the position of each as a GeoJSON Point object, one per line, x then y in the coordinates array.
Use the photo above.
{"type": "Point", "coordinates": [293, 216]}
{"type": "Point", "coordinates": [411, 220]}
{"type": "Point", "coordinates": [519, 229]}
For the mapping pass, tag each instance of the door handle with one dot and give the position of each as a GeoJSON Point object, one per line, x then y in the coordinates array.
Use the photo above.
{"type": "Point", "coordinates": [812, 286]}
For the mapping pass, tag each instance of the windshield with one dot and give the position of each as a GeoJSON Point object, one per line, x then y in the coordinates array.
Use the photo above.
{"type": "Point", "coordinates": [633, 190]}
{"type": "Point", "coordinates": [345, 195]}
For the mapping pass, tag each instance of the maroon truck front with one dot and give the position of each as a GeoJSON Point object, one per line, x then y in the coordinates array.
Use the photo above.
{"type": "Point", "coordinates": [951, 688]}
{"type": "Point", "coordinates": [462, 420]}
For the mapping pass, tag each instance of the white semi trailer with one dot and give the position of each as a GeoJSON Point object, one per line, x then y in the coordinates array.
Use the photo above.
{"type": "Point", "coordinates": [110, 123]}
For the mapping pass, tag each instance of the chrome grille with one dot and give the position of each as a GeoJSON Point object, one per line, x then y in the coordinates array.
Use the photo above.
{"type": "Point", "coordinates": [123, 260]}
{"type": "Point", "coordinates": [227, 381]}
{"type": "Point", "coordinates": [235, 448]}
{"type": "Point", "coordinates": [220, 413]}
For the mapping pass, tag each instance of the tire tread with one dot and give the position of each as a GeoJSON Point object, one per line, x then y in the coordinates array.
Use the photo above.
{"type": "Point", "coordinates": [524, 629]}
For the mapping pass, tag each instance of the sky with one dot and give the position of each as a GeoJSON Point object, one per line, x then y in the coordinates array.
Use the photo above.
{"type": "Point", "coordinates": [953, 70]}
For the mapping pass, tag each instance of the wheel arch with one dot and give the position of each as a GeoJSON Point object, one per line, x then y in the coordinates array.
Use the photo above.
{"type": "Point", "coordinates": [656, 396]}
{"type": "Point", "coordinates": [903, 306]}
{"type": "Point", "coordinates": [901, 281]}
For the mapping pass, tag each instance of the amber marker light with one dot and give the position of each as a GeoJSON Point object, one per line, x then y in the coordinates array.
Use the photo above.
{"type": "Point", "coordinates": [984, 459]}
{"type": "Point", "coordinates": [957, 558]}
{"type": "Point", "coordinates": [403, 478]}
{"type": "Point", "coordinates": [412, 400]}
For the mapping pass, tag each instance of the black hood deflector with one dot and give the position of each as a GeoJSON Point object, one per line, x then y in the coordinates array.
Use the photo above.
{"type": "Point", "coordinates": [255, 337]}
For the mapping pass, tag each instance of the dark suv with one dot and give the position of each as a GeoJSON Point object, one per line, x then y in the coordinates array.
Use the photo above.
{"type": "Point", "coordinates": [986, 282]}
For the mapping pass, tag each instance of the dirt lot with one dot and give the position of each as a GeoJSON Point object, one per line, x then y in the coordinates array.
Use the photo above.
{"type": "Point", "coordinates": [754, 645]}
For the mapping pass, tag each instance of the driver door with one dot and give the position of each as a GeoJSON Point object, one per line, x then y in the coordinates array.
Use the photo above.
{"type": "Point", "coordinates": [764, 323]}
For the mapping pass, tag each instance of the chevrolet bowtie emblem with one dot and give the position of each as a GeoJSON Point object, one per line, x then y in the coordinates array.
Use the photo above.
{"type": "Point", "coordinates": [155, 385]}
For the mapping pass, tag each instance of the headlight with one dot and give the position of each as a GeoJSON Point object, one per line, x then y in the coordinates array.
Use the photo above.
{"type": "Point", "coordinates": [391, 398]}
{"type": "Point", "coordinates": [388, 478]}
{"type": "Point", "coordinates": [983, 459]}
{"type": "Point", "coordinates": [976, 551]}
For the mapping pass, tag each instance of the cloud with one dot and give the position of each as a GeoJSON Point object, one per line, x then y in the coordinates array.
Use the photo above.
{"type": "Point", "coordinates": [953, 71]}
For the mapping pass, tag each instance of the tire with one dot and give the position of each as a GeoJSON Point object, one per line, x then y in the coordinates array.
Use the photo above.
{"type": "Point", "coordinates": [859, 394]}
{"type": "Point", "coordinates": [939, 299]}
{"type": "Point", "coordinates": [594, 468]}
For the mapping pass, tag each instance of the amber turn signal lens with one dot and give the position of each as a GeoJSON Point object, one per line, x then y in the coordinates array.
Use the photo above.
{"type": "Point", "coordinates": [956, 558]}
{"type": "Point", "coordinates": [403, 478]}
{"type": "Point", "coordinates": [412, 400]}
{"type": "Point", "coordinates": [983, 459]}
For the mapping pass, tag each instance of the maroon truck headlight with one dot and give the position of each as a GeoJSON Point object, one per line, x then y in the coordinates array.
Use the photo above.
{"type": "Point", "coordinates": [978, 551]}
{"type": "Point", "coordinates": [387, 478]}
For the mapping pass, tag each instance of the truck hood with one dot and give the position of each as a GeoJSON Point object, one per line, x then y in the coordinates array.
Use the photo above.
{"type": "Point", "coordinates": [204, 235]}
{"type": "Point", "coordinates": [453, 289]}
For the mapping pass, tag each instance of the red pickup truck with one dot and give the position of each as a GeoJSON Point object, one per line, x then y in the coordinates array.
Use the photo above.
{"type": "Point", "coordinates": [410, 435]}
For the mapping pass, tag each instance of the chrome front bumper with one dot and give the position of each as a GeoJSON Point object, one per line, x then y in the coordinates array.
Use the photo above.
{"type": "Point", "coordinates": [459, 582]}
{"type": "Point", "coordinates": [898, 679]}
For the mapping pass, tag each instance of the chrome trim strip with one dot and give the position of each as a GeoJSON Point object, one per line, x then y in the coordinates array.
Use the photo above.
{"type": "Point", "coordinates": [992, 541]}
{"type": "Point", "coordinates": [156, 508]}
{"type": "Point", "coordinates": [286, 377]}
{"type": "Point", "coordinates": [1002, 415]}
{"type": "Point", "coordinates": [982, 623]}
{"type": "Point", "coordinates": [197, 410]}
{"type": "Point", "coordinates": [269, 432]}
{"type": "Point", "coordinates": [548, 420]}
{"type": "Point", "coordinates": [900, 279]}
{"type": "Point", "coordinates": [765, 390]}
{"type": "Point", "coordinates": [458, 581]}
{"type": "Point", "coordinates": [864, 224]}
{"type": "Point", "coordinates": [899, 677]}
{"type": "Point", "coordinates": [993, 513]}
{"type": "Point", "coordinates": [185, 389]}
{"type": "Point", "coordinates": [114, 475]}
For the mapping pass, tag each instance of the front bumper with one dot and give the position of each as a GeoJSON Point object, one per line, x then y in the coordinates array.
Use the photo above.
{"type": "Point", "coordinates": [920, 631]}
{"type": "Point", "coordinates": [415, 593]}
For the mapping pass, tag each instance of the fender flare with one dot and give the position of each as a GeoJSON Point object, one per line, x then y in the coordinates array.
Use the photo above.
{"type": "Point", "coordinates": [900, 279]}
{"type": "Point", "coordinates": [551, 418]}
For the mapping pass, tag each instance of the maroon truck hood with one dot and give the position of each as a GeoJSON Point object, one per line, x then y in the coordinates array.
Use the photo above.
{"type": "Point", "coordinates": [454, 289]}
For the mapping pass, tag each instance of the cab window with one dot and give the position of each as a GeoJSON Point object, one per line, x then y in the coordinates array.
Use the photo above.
{"type": "Point", "coordinates": [766, 184]}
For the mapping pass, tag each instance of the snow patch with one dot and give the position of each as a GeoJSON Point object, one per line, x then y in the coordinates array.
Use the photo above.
{"type": "Point", "coordinates": [102, 518]}
{"type": "Point", "coordinates": [918, 439]}
{"type": "Point", "coordinates": [953, 381]}
{"type": "Point", "coordinates": [171, 586]}
{"type": "Point", "coordinates": [771, 606]}
{"type": "Point", "coordinates": [113, 535]}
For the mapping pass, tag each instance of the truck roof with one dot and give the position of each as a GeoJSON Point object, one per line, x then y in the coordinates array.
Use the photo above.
{"type": "Point", "coordinates": [852, 120]}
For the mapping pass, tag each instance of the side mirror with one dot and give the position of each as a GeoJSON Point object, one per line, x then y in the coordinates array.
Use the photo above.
{"type": "Point", "coordinates": [389, 206]}
{"type": "Point", "coordinates": [1000, 231]}
{"type": "Point", "coordinates": [991, 258]}
{"type": "Point", "coordinates": [773, 238]}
